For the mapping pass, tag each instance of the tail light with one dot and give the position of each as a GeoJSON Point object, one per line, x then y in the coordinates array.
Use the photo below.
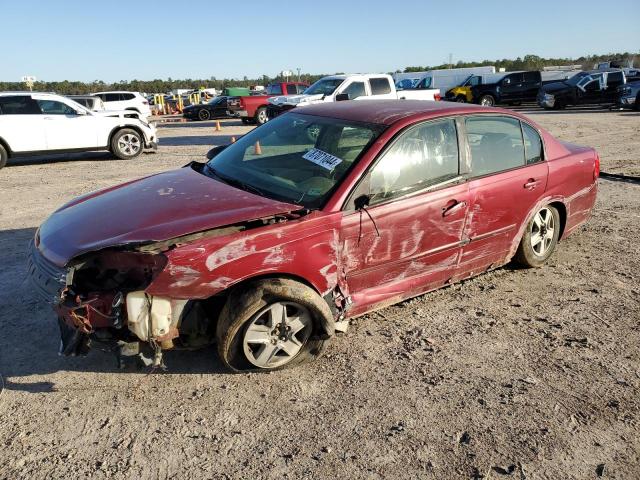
{"type": "Point", "coordinates": [437, 97]}
{"type": "Point", "coordinates": [596, 167]}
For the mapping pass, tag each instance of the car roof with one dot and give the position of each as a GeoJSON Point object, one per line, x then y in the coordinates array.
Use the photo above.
{"type": "Point", "coordinates": [115, 91]}
{"type": "Point", "coordinates": [24, 92]}
{"type": "Point", "coordinates": [388, 112]}
{"type": "Point", "coordinates": [82, 96]}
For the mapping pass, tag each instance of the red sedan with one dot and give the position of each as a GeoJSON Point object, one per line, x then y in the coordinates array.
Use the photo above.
{"type": "Point", "coordinates": [320, 215]}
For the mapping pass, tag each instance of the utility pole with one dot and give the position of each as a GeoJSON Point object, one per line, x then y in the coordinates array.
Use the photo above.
{"type": "Point", "coordinates": [450, 60]}
{"type": "Point", "coordinates": [298, 69]}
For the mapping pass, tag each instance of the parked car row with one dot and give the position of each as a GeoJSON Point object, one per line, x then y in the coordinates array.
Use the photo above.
{"type": "Point", "coordinates": [602, 86]}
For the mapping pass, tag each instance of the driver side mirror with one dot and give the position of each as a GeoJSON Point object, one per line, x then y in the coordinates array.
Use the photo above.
{"type": "Point", "coordinates": [215, 151]}
{"type": "Point", "coordinates": [340, 97]}
{"type": "Point", "coordinates": [362, 201]}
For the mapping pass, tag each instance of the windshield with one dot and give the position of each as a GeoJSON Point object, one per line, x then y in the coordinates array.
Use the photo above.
{"type": "Point", "coordinates": [294, 158]}
{"type": "Point", "coordinates": [573, 81]}
{"type": "Point", "coordinates": [324, 86]}
{"type": "Point", "coordinates": [215, 100]}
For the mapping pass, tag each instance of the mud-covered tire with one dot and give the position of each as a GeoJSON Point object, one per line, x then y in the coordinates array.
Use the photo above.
{"type": "Point", "coordinates": [3, 156]}
{"type": "Point", "coordinates": [127, 144]}
{"type": "Point", "coordinates": [527, 255]}
{"type": "Point", "coordinates": [261, 116]}
{"type": "Point", "coordinates": [204, 114]}
{"type": "Point", "coordinates": [245, 303]}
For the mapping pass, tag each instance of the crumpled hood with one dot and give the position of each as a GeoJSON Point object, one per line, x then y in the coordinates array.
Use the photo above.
{"type": "Point", "coordinates": [296, 99]}
{"type": "Point", "coordinates": [155, 208]}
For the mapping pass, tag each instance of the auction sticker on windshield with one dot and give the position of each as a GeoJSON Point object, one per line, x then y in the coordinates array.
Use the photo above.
{"type": "Point", "coordinates": [324, 159]}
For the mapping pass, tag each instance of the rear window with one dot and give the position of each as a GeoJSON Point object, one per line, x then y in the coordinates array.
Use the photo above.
{"type": "Point", "coordinates": [379, 86]}
{"type": "Point", "coordinates": [19, 105]}
{"type": "Point", "coordinates": [291, 90]}
{"type": "Point", "coordinates": [274, 89]}
{"type": "Point", "coordinates": [531, 77]}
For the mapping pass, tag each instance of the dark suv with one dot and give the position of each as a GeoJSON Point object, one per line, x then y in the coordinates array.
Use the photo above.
{"type": "Point", "coordinates": [585, 88]}
{"type": "Point", "coordinates": [513, 88]}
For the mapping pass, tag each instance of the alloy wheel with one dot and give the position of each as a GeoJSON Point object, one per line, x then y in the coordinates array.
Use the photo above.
{"type": "Point", "coordinates": [542, 230]}
{"type": "Point", "coordinates": [276, 334]}
{"type": "Point", "coordinates": [129, 144]}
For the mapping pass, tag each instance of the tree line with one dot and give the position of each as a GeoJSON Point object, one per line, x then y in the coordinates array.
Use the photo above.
{"type": "Point", "coordinates": [528, 62]}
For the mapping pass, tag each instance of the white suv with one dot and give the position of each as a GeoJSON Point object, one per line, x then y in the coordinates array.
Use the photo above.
{"type": "Point", "coordinates": [125, 101]}
{"type": "Point", "coordinates": [40, 123]}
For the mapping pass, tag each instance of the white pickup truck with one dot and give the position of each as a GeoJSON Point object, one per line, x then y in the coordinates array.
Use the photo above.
{"type": "Point", "coordinates": [334, 88]}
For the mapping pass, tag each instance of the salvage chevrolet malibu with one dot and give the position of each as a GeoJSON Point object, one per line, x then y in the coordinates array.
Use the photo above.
{"type": "Point", "coordinates": [311, 219]}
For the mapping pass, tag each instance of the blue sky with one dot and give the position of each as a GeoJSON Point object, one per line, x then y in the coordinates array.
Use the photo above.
{"type": "Point", "coordinates": [123, 40]}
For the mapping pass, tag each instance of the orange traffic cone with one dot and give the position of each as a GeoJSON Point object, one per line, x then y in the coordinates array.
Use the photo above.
{"type": "Point", "coordinates": [233, 139]}
{"type": "Point", "coordinates": [258, 149]}
{"type": "Point", "coordinates": [218, 126]}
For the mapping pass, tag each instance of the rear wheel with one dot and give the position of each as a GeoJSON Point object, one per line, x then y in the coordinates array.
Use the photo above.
{"type": "Point", "coordinates": [271, 324]}
{"type": "Point", "coordinates": [126, 144]}
{"type": "Point", "coordinates": [261, 116]}
{"type": "Point", "coordinates": [3, 156]}
{"type": "Point", "coordinates": [540, 238]}
{"type": "Point", "coordinates": [204, 114]}
{"type": "Point", "coordinates": [487, 100]}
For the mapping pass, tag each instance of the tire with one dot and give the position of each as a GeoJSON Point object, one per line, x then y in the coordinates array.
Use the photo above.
{"type": "Point", "coordinates": [249, 338]}
{"type": "Point", "coordinates": [261, 116]}
{"type": "Point", "coordinates": [487, 100]}
{"type": "Point", "coordinates": [3, 156]}
{"type": "Point", "coordinates": [461, 99]}
{"type": "Point", "coordinates": [204, 114]}
{"type": "Point", "coordinates": [533, 252]}
{"type": "Point", "coordinates": [126, 144]}
{"type": "Point", "coordinates": [636, 106]}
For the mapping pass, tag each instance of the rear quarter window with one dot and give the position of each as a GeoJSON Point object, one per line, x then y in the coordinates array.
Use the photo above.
{"type": "Point", "coordinates": [127, 96]}
{"type": "Point", "coordinates": [19, 105]}
{"type": "Point", "coordinates": [379, 86]}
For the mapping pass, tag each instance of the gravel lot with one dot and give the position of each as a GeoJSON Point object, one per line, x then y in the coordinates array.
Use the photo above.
{"type": "Point", "coordinates": [514, 374]}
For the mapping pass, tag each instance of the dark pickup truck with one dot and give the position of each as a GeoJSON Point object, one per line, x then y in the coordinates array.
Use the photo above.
{"type": "Point", "coordinates": [586, 88]}
{"type": "Point", "coordinates": [513, 88]}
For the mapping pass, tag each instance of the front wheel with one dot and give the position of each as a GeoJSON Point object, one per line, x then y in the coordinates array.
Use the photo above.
{"type": "Point", "coordinates": [271, 324]}
{"type": "Point", "coordinates": [540, 238]}
{"type": "Point", "coordinates": [126, 144]}
{"type": "Point", "coordinates": [487, 100]}
{"type": "Point", "coordinates": [3, 156]}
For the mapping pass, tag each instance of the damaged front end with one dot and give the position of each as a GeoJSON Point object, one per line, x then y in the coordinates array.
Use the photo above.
{"type": "Point", "coordinates": [100, 297]}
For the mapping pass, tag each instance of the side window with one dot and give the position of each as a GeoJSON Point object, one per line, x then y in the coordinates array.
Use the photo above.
{"type": "Point", "coordinates": [531, 77]}
{"type": "Point", "coordinates": [112, 97]}
{"type": "Point", "coordinates": [532, 144]}
{"type": "Point", "coordinates": [355, 90]}
{"type": "Point", "coordinates": [425, 155]}
{"type": "Point", "coordinates": [51, 107]}
{"type": "Point", "coordinates": [127, 96]}
{"type": "Point", "coordinates": [496, 144]}
{"type": "Point", "coordinates": [19, 105]}
{"type": "Point", "coordinates": [291, 90]}
{"type": "Point", "coordinates": [379, 86]}
{"type": "Point", "coordinates": [614, 79]}
{"type": "Point", "coordinates": [274, 89]}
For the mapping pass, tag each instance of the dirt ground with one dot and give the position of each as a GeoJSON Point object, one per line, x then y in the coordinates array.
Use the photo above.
{"type": "Point", "coordinates": [525, 374]}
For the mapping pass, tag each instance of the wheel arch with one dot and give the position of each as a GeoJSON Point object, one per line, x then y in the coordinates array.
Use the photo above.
{"type": "Point", "coordinates": [562, 211]}
{"type": "Point", "coordinates": [6, 146]}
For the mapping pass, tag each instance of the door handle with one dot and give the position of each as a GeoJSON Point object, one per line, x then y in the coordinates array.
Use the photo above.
{"type": "Point", "coordinates": [452, 207]}
{"type": "Point", "coordinates": [531, 184]}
